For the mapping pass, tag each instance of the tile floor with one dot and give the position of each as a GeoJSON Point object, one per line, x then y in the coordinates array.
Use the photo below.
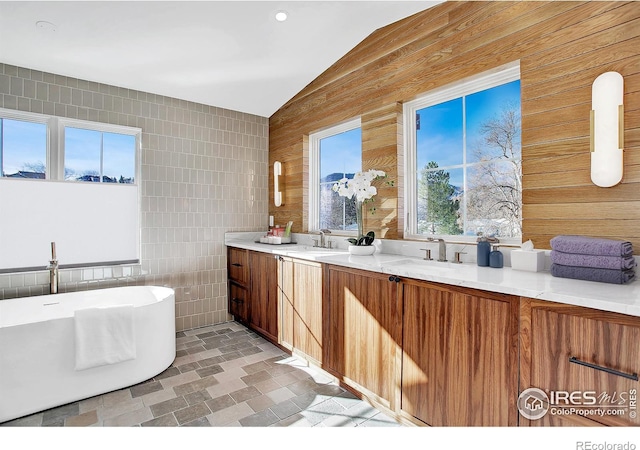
{"type": "Point", "coordinates": [223, 376]}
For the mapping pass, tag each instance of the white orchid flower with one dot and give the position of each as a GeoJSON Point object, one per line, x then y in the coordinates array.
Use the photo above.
{"type": "Point", "coordinates": [359, 186]}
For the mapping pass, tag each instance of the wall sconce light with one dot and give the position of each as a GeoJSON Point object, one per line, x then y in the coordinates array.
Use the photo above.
{"type": "Point", "coordinates": [607, 129]}
{"type": "Point", "coordinates": [278, 197]}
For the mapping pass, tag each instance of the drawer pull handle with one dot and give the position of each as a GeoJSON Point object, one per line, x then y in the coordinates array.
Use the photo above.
{"type": "Point", "coordinates": [236, 264]}
{"type": "Point", "coordinates": [630, 376]}
{"type": "Point", "coordinates": [237, 300]}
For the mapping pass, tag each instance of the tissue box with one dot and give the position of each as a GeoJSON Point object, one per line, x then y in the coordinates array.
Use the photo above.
{"type": "Point", "coordinates": [531, 260]}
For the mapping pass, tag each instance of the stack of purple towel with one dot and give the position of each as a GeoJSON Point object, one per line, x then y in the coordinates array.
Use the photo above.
{"type": "Point", "coordinates": [592, 259]}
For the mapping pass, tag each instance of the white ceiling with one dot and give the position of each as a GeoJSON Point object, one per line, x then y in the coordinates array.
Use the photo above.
{"type": "Point", "coordinates": [229, 54]}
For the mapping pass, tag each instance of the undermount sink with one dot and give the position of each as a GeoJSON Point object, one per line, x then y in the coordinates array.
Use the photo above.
{"type": "Point", "coordinates": [420, 265]}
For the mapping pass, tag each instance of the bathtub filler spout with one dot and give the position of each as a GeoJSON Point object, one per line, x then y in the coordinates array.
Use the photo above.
{"type": "Point", "coordinates": [53, 270]}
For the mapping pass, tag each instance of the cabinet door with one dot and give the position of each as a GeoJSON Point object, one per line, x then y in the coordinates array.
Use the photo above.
{"type": "Point", "coordinates": [363, 331]}
{"type": "Point", "coordinates": [459, 356]}
{"type": "Point", "coordinates": [238, 302]}
{"type": "Point", "coordinates": [263, 304]}
{"type": "Point", "coordinates": [301, 307]}
{"type": "Point", "coordinates": [586, 361]}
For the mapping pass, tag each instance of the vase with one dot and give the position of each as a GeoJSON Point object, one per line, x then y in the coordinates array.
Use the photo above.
{"type": "Point", "coordinates": [362, 250]}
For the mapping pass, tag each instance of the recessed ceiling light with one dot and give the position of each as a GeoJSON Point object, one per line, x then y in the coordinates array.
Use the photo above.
{"type": "Point", "coordinates": [46, 26]}
{"type": "Point", "coordinates": [281, 16]}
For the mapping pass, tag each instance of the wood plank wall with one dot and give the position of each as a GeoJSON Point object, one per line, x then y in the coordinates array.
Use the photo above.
{"type": "Point", "coordinates": [562, 48]}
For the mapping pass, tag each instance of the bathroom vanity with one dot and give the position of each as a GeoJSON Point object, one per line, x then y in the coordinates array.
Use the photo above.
{"type": "Point", "coordinates": [442, 345]}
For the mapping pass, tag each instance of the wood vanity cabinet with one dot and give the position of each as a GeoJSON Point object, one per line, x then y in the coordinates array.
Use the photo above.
{"type": "Point", "coordinates": [300, 307]}
{"type": "Point", "coordinates": [459, 355]}
{"type": "Point", "coordinates": [252, 290]}
{"type": "Point", "coordinates": [362, 329]}
{"type": "Point", "coordinates": [238, 286]}
{"type": "Point", "coordinates": [263, 298]}
{"type": "Point", "coordinates": [438, 354]}
{"type": "Point", "coordinates": [591, 353]}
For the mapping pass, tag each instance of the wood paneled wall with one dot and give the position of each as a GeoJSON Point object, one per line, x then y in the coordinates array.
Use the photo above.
{"type": "Point", "coordinates": [562, 47]}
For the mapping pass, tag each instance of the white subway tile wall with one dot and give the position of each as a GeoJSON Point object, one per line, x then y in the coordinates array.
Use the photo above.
{"type": "Point", "coordinates": [204, 172]}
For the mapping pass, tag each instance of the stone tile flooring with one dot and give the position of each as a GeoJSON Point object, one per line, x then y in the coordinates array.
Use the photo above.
{"type": "Point", "coordinates": [223, 376]}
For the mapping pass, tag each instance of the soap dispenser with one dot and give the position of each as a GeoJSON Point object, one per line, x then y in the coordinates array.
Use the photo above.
{"type": "Point", "coordinates": [483, 251]}
{"type": "Point", "coordinates": [496, 259]}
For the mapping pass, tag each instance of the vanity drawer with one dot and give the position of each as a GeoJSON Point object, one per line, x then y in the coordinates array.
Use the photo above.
{"type": "Point", "coordinates": [238, 265]}
{"type": "Point", "coordinates": [587, 361]}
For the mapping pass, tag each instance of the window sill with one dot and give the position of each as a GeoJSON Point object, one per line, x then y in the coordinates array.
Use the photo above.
{"type": "Point", "coordinates": [467, 240]}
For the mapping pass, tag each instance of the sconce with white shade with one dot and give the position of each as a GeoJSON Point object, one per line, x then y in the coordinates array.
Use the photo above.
{"type": "Point", "coordinates": [278, 197]}
{"type": "Point", "coordinates": [607, 129]}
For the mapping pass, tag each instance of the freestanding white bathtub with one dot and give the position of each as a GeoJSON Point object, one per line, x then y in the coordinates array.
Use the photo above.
{"type": "Point", "coordinates": [37, 347]}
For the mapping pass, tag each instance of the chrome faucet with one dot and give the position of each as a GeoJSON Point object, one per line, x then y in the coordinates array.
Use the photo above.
{"type": "Point", "coordinates": [53, 270]}
{"type": "Point", "coordinates": [442, 248]}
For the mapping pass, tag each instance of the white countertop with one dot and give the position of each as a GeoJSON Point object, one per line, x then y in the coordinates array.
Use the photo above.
{"type": "Point", "coordinates": [623, 299]}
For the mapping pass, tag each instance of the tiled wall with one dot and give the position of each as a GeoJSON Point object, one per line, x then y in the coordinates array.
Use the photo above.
{"type": "Point", "coordinates": [204, 172]}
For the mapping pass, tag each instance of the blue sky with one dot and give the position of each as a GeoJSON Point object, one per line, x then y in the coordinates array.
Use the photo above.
{"type": "Point", "coordinates": [440, 137]}
{"type": "Point", "coordinates": [341, 153]}
{"type": "Point", "coordinates": [82, 152]}
{"type": "Point", "coordinates": [25, 143]}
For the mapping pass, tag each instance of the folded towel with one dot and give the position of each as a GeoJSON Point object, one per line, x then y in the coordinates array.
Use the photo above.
{"type": "Point", "coordinates": [585, 245]}
{"type": "Point", "coordinates": [596, 261]}
{"type": "Point", "coordinates": [593, 274]}
{"type": "Point", "coordinates": [104, 336]}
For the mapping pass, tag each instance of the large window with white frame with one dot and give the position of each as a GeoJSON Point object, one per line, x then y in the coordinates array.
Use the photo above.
{"type": "Point", "coordinates": [37, 146]}
{"type": "Point", "coordinates": [463, 159]}
{"type": "Point", "coordinates": [67, 181]}
{"type": "Point", "coordinates": [334, 153]}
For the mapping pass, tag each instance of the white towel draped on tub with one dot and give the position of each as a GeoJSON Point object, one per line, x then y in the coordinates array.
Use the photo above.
{"type": "Point", "coordinates": [104, 336]}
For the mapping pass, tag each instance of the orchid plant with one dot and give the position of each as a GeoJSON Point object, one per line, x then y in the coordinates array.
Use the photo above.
{"type": "Point", "coordinates": [360, 188]}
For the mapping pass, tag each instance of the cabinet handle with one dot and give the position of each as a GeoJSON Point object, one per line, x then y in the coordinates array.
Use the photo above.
{"type": "Point", "coordinates": [236, 264]}
{"type": "Point", "coordinates": [237, 300]}
{"type": "Point", "coordinates": [630, 376]}
{"type": "Point", "coordinates": [394, 278]}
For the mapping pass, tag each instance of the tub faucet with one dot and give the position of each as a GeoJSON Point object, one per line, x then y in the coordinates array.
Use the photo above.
{"type": "Point", "coordinates": [53, 271]}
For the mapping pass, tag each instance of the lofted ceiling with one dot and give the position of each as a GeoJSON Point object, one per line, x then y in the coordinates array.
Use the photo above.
{"type": "Point", "coordinates": [229, 54]}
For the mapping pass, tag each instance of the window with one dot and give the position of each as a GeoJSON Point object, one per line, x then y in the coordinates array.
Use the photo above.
{"type": "Point", "coordinates": [97, 156]}
{"type": "Point", "coordinates": [92, 223]}
{"type": "Point", "coordinates": [87, 151]}
{"type": "Point", "coordinates": [23, 147]}
{"type": "Point", "coordinates": [335, 153]}
{"type": "Point", "coordinates": [463, 167]}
